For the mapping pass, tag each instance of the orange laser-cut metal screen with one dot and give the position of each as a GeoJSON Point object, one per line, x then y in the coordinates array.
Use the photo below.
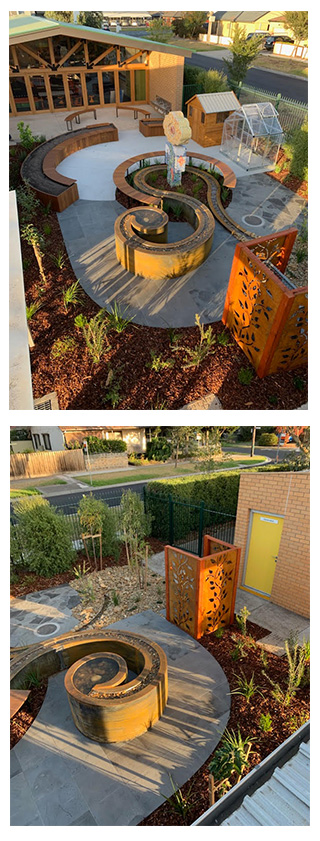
{"type": "Point", "coordinates": [267, 319]}
{"type": "Point", "coordinates": [201, 592]}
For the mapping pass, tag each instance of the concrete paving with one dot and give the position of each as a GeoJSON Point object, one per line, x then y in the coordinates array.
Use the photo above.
{"type": "Point", "coordinates": [41, 615]}
{"type": "Point", "coordinates": [61, 778]}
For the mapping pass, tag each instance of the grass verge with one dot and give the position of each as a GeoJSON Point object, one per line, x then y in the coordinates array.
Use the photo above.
{"type": "Point", "coordinates": [165, 472]}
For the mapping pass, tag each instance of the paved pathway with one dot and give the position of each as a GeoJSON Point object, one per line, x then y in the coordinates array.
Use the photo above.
{"type": "Point", "coordinates": [60, 778]}
{"type": "Point", "coordinates": [41, 615]}
{"type": "Point", "coordinates": [88, 231]}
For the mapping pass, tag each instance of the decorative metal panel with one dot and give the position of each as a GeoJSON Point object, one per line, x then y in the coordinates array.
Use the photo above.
{"type": "Point", "coordinates": [292, 349]}
{"type": "Point", "coordinates": [216, 591]}
{"type": "Point", "coordinates": [182, 581]}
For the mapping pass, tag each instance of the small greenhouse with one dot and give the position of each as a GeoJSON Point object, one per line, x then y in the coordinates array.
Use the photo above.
{"type": "Point", "coordinates": [252, 136]}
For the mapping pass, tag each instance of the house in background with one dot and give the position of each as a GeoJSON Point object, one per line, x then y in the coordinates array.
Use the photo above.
{"type": "Point", "coordinates": [61, 437]}
{"type": "Point", "coordinates": [273, 531]}
{"type": "Point", "coordinates": [225, 23]}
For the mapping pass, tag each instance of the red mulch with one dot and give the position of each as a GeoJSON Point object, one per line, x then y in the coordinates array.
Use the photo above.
{"type": "Point", "coordinates": [80, 384]}
{"type": "Point", "coordinates": [244, 715]}
{"type": "Point", "coordinates": [291, 181]}
{"type": "Point", "coordinates": [30, 582]}
{"type": "Point", "coordinates": [20, 723]}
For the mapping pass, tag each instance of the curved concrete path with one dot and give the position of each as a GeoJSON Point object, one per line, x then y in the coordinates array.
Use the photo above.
{"type": "Point", "coordinates": [60, 778]}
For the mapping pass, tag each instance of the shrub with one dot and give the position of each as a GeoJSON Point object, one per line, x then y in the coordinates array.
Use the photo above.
{"type": "Point", "coordinates": [135, 526]}
{"type": "Point", "coordinates": [268, 439]}
{"type": "Point", "coordinates": [45, 537]}
{"type": "Point", "coordinates": [296, 149]}
{"type": "Point", "coordinates": [230, 758]}
{"type": "Point", "coordinates": [94, 332]}
{"type": "Point", "coordinates": [95, 517]}
{"type": "Point", "coordinates": [213, 81]}
{"type": "Point", "coordinates": [27, 203]}
{"type": "Point", "coordinates": [27, 139]}
{"type": "Point", "coordinates": [98, 445]}
{"type": "Point", "coordinates": [219, 492]}
{"type": "Point", "coordinates": [159, 449]}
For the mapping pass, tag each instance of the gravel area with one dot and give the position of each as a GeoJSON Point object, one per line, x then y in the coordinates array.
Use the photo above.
{"type": "Point", "coordinates": [122, 593]}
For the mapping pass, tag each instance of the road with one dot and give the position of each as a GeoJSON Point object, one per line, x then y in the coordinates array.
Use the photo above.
{"type": "Point", "coordinates": [289, 86]}
{"type": "Point", "coordinates": [112, 495]}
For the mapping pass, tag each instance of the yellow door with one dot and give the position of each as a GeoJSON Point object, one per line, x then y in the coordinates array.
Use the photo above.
{"type": "Point", "coordinates": [262, 553]}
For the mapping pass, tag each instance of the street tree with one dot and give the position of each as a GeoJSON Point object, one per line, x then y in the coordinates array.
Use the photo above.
{"type": "Point", "coordinates": [298, 23]}
{"type": "Point", "coordinates": [243, 54]}
{"type": "Point", "coordinates": [159, 31]}
{"type": "Point", "coordinates": [64, 17]}
{"type": "Point", "coordinates": [94, 19]}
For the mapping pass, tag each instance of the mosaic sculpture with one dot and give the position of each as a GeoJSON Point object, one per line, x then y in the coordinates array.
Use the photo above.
{"type": "Point", "coordinates": [178, 132]}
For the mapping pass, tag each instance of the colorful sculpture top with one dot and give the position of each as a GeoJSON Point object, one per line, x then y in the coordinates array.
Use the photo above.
{"type": "Point", "coordinates": [177, 128]}
{"type": "Point", "coordinates": [177, 131]}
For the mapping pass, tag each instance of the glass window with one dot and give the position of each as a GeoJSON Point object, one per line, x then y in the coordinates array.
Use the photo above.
{"type": "Point", "coordinates": [111, 58]}
{"type": "Point", "coordinates": [39, 93]}
{"type": "Point", "coordinates": [46, 441]}
{"type": "Point", "coordinates": [92, 88]}
{"type": "Point", "coordinates": [40, 48]}
{"type": "Point", "coordinates": [96, 49]}
{"type": "Point", "coordinates": [61, 46]}
{"type": "Point", "coordinates": [203, 116]}
{"type": "Point", "coordinates": [57, 90]}
{"type": "Point", "coordinates": [36, 441]}
{"type": "Point", "coordinates": [75, 90]}
{"type": "Point", "coordinates": [128, 52]}
{"type": "Point", "coordinates": [108, 87]}
{"type": "Point", "coordinates": [140, 85]}
{"type": "Point", "coordinates": [222, 116]}
{"type": "Point", "coordinates": [125, 86]}
{"type": "Point", "coordinates": [20, 95]}
{"type": "Point", "coordinates": [190, 110]}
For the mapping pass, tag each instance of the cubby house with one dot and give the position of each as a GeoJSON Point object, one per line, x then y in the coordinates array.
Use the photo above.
{"type": "Point", "coordinates": [207, 113]}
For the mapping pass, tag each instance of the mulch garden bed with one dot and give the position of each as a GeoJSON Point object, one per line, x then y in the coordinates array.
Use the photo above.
{"type": "Point", "coordinates": [20, 723]}
{"type": "Point", "coordinates": [245, 716]}
{"type": "Point", "coordinates": [291, 181]}
{"type": "Point", "coordinates": [60, 360]}
{"type": "Point", "coordinates": [29, 582]}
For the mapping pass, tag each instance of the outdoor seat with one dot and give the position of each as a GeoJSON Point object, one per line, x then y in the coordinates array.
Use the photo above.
{"type": "Point", "coordinates": [135, 110]}
{"type": "Point", "coordinates": [76, 116]}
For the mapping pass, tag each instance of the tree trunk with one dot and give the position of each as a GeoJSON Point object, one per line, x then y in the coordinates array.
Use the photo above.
{"type": "Point", "coordinates": [38, 257]}
{"type": "Point", "coordinates": [212, 790]}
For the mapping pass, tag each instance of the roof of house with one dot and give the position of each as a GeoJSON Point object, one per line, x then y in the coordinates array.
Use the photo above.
{"type": "Point", "coordinates": [213, 103]}
{"type": "Point", "coordinates": [241, 17]}
{"type": "Point", "coordinates": [25, 28]}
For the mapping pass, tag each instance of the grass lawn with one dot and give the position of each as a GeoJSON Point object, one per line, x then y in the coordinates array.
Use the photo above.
{"type": "Point", "coordinates": [27, 490]}
{"type": "Point", "coordinates": [23, 492]}
{"type": "Point", "coordinates": [283, 65]}
{"type": "Point", "coordinates": [163, 471]}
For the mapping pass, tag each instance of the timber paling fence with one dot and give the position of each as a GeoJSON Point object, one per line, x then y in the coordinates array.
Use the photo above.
{"type": "Point", "coordinates": [179, 523]}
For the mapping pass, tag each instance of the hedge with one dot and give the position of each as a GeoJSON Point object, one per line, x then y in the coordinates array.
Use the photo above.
{"type": "Point", "coordinates": [98, 445]}
{"type": "Point", "coordinates": [159, 449]}
{"type": "Point", "coordinates": [219, 493]}
{"type": "Point", "coordinates": [268, 439]}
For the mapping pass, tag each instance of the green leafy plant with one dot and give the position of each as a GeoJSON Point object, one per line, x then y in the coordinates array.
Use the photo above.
{"type": "Point", "coordinates": [33, 237]}
{"type": "Point", "coordinates": [86, 591]}
{"type": "Point", "coordinates": [28, 203]}
{"type": "Point", "coordinates": [179, 802]}
{"type": "Point", "coordinates": [223, 338]}
{"type": "Point", "coordinates": [134, 527]}
{"type": "Point", "coordinates": [264, 658]}
{"type": "Point", "coordinates": [301, 254]}
{"type": "Point", "coordinates": [26, 138]}
{"type": "Point", "coordinates": [113, 384]}
{"type": "Point", "coordinates": [117, 318]}
{"type": "Point", "coordinates": [45, 536]}
{"type": "Point", "coordinates": [230, 759]}
{"type": "Point", "coordinates": [97, 518]}
{"type": "Point", "coordinates": [194, 356]}
{"type": "Point", "coordinates": [245, 375]}
{"type": "Point", "coordinates": [298, 383]}
{"type": "Point", "coordinates": [245, 687]}
{"type": "Point", "coordinates": [94, 332]}
{"type": "Point", "coordinates": [273, 399]}
{"type": "Point", "coordinates": [265, 723]}
{"type": "Point", "coordinates": [71, 295]}
{"type": "Point", "coordinates": [61, 347]}
{"type": "Point", "coordinates": [157, 364]}
{"type": "Point", "coordinates": [81, 571]}
{"type": "Point", "coordinates": [46, 208]}
{"type": "Point", "coordinates": [219, 632]}
{"type": "Point", "coordinates": [115, 598]}
{"type": "Point", "coordinates": [47, 229]}
{"type": "Point", "coordinates": [177, 211]}
{"type": "Point", "coordinates": [59, 259]}
{"type": "Point", "coordinates": [297, 720]}
{"type": "Point", "coordinates": [297, 657]}
{"type": "Point", "coordinates": [241, 619]}
{"type": "Point", "coordinates": [32, 309]}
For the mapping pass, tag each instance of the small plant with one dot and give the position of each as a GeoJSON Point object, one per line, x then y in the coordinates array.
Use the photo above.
{"type": "Point", "coordinates": [46, 208]}
{"type": "Point", "coordinates": [273, 399]}
{"type": "Point", "coordinates": [32, 236]}
{"type": "Point", "coordinates": [94, 332]}
{"type": "Point", "coordinates": [157, 364]}
{"type": "Point", "coordinates": [196, 355]}
{"type": "Point", "coordinates": [264, 658]}
{"type": "Point", "coordinates": [61, 347]}
{"type": "Point", "coordinates": [301, 254]}
{"type": "Point", "coordinates": [59, 259]}
{"type": "Point", "coordinates": [117, 319]}
{"type": "Point", "coordinates": [47, 229]}
{"type": "Point", "coordinates": [241, 619]}
{"type": "Point", "coordinates": [180, 189]}
{"type": "Point", "coordinates": [298, 383]}
{"type": "Point", "coordinates": [303, 234]}
{"type": "Point", "coordinates": [245, 688]}
{"type": "Point", "coordinates": [87, 592]}
{"type": "Point", "coordinates": [27, 203]}
{"type": "Point", "coordinates": [219, 632]}
{"type": "Point", "coordinates": [32, 309]}
{"type": "Point", "coordinates": [71, 295]}
{"type": "Point", "coordinates": [239, 651]}
{"type": "Point", "coordinates": [179, 802]}
{"type": "Point", "coordinates": [27, 139]}
{"type": "Point", "coordinates": [265, 723]}
{"type": "Point", "coordinates": [80, 571]}
{"type": "Point", "coordinates": [173, 336]}
{"type": "Point", "coordinates": [230, 759]}
{"type": "Point", "coordinates": [196, 190]}
{"type": "Point", "coordinates": [194, 178]}
{"type": "Point", "coordinates": [152, 178]}
{"type": "Point", "coordinates": [296, 721]}
{"type": "Point", "coordinates": [245, 375]}
{"type": "Point", "coordinates": [177, 211]}
{"type": "Point", "coordinates": [30, 679]}
{"type": "Point", "coordinates": [112, 394]}
{"type": "Point", "coordinates": [223, 338]}
{"type": "Point", "coordinates": [115, 598]}
{"type": "Point", "coordinates": [25, 264]}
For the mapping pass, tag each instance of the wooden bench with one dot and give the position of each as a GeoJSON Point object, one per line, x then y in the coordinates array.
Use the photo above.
{"type": "Point", "coordinates": [76, 116]}
{"type": "Point", "coordinates": [17, 699]}
{"type": "Point", "coordinates": [161, 105]}
{"type": "Point", "coordinates": [135, 110]}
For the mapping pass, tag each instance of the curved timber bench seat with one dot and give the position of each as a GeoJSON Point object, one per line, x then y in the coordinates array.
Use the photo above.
{"type": "Point", "coordinates": [136, 110]}
{"type": "Point", "coordinates": [39, 167]}
{"type": "Point", "coordinates": [117, 682]}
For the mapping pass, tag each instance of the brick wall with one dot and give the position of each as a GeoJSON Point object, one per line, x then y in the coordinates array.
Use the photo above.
{"type": "Point", "coordinates": [286, 494]}
{"type": "Point", "coordinates": [166, 78]}
{"type": "Point", "coordinates": [106, 461]}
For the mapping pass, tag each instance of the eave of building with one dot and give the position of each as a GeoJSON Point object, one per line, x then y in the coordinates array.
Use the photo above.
{"type": "Point", "coordinates": [25, 33]}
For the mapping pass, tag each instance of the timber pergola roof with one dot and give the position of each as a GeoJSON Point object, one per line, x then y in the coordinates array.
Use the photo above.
{"type": "Point", "coordinates": [26, 28]}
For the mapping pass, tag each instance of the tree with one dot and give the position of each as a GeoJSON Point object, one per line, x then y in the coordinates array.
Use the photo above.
{"type": "Point", "coordinates": [183, 440]}
{"type": "Point", "coordinates": [298, 23]}
{"type": "Point", "coordinates": [64, 17]}
{"type": "Point", "coordinates": [159, 31]}
{"type": "Point", "coordinates": [194, 22]}
{"type": "Point", "coordinates": [213, 81]}
{"type": "Point", "coordinates": [94, 19]}
{"type": "Point", "coordinates": [243, 54]}
{"type": "Point", "coordinates": [134, 528]}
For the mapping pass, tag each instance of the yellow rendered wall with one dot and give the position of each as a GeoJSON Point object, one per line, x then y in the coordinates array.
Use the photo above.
{"type": "Point", "coordinates": [287, 495]}
{"type": "Point", "coordinates": [166, 78]}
